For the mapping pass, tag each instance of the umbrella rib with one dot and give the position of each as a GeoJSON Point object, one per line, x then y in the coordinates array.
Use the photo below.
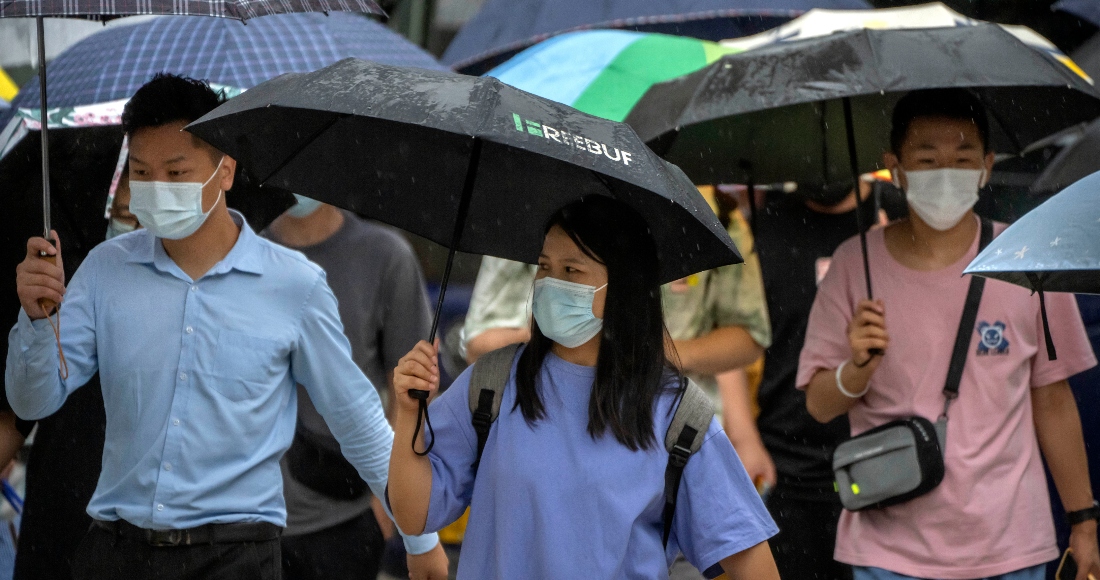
{"type": "Point", "coordinates": [309, 142]}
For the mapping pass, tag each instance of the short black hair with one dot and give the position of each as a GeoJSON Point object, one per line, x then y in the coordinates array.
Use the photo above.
{"type": "Point", "coordinates": [169, 98]}
{"type": "Point", "coordinates": [951, 103]}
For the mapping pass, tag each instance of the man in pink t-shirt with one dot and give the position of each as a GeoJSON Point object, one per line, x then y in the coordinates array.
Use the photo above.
{"type": "Point", "coordinates": [990, 517]}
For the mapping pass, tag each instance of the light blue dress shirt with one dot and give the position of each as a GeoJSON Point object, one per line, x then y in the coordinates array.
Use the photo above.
{"type": "Point", "coordinates": [198, 379]}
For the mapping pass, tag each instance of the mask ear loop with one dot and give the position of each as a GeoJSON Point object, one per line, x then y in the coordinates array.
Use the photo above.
{"type": "Point", "coordinates": [63, 367]}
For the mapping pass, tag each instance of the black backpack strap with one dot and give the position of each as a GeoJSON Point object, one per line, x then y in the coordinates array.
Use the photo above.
{"type": "Point", "coordinates": [966, 325]}
{"type": "Point", "coordinates": [684, 437]}
{"type": "Point", "coordinates": [487, 382]}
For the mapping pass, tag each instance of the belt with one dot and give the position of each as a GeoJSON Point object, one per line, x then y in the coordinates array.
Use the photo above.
{"type": "Point", "coordinates": [206, 534]}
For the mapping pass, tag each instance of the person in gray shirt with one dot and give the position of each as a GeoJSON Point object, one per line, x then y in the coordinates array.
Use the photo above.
{"type": "Point", "coordinates": [332, 532]}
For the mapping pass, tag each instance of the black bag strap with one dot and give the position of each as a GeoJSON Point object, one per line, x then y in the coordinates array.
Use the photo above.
{"type": "Point", "coordinates": [966, 325]}
{"type": "Point", "coordinates": [693, 415]}
{"type": "Point", "coordinates": [487, 382]}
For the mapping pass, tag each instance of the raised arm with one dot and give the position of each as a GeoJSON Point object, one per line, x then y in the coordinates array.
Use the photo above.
{"type": "Point", "coordinates": [411, 474]}
{"type": "Point", "coordinates": [35, 385]}
{"type": "Point", "coordinates": [827, 396]}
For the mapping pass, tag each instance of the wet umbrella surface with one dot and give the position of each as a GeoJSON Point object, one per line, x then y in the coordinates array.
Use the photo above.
{"type": "Point", "coordinates": [1054, 247]}
{"type": "Point", "coordinates": [777, 111]}
{"type": "Point", "coordinates": [470, 163]}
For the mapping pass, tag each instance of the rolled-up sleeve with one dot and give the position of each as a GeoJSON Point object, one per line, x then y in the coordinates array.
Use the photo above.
{"type": "Point", "coordinates": [32, 379]}
{"type": "Point", "coordinates": [321, 362]}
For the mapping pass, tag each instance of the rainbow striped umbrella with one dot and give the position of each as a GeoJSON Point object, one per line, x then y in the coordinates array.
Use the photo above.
{"type": "Point", "coordinates": [605, 72]}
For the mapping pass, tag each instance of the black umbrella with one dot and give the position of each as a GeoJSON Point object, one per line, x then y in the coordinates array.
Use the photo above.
{"type": "Point", "coordinates": [468, 162]}
{"type": "Point", "coordinates": [1078, 158]}
{"type": "Point", "coordinates": [792, 111]}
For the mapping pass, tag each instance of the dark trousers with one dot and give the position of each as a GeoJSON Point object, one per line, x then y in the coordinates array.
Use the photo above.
{"type": "Point", "coordinates": [807, 535]}
{"type": "Point", "coordinates": [103, 555]}
{"type": "Point", "coordinates": [348, 551]}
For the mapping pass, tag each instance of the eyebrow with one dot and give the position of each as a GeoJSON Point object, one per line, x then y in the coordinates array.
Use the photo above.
{"type": "Point", "coordinates": [176, 159]}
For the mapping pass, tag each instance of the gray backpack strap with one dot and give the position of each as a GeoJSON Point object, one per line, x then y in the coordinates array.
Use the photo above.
{"type": "Point", "coordinates": [684, 437]}
{"type": "Point", "coordinates": [487, 382]}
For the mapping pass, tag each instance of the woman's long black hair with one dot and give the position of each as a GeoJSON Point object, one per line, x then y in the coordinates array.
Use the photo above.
{"type": "Point", "coordinates": [632, 369]}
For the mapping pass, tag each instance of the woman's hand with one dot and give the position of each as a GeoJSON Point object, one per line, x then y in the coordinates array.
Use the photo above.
{"type": "Point", "coordinates": [417, 370]}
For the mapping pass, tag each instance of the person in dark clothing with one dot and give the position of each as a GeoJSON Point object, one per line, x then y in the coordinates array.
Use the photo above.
{"type": "Point", "coordinates": [796, 235]}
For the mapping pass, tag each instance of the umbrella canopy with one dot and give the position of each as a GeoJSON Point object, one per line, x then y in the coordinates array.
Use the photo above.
{"type": "Point", "coordinates": [776, 113]}
{"type": "Point", "coordinates": [1054, 247]}
{"type": "Point", "coordinates": [822, 22]}
{"type": "Point", "coordinates": [1077, 159]}
{"type": "Point", "coordinates": [234, 9]}
{"type": "Point", "coordinates": [1084, 9]}
{"type": "Point", "coordinates": [96, 10]}
{"type": "Point", "coordinates": [503, 27]}
{"type": "Point", "coordinates": [470, 163]}
{"type": "Point", "coordinates": [113, 63]}
{"type": "Point", "coordinates": [605, 72]}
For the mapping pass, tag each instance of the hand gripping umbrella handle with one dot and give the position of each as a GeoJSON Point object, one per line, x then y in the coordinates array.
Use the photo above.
{"type": "Point", "coordinates": [853, 160]}
{"type": "Point", "coordinates": [456, 236]}
{"type": "Point", "coordinates": [48, 308]}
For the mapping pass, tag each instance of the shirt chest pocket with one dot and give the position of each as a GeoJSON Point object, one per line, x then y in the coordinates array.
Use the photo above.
{"type": "Point", "coordinates": [245, 366]}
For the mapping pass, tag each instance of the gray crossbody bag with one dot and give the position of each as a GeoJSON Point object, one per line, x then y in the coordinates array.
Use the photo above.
{"type": "Point", "coordinates": [903, 459]}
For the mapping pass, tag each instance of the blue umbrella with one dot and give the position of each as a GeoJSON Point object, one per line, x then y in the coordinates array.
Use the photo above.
{"type": "Point", "coordinates": [1054, 248]}
{"type": "Point", "coordinates": [114, 63]}
{"type": "Point", "coordinates": [503, 27]}
{"type": "Point", "coordinates": [1084, 9]}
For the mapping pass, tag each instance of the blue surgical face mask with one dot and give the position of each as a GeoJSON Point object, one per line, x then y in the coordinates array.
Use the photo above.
{"type": "Point", "coordinates": [563, 311]}
{"type": "Point", "coordinates": [171, 210]}
{"type": "Point", "coordinates": [305, 206]}
{"type": "Point", "coordinates": [116, 228]}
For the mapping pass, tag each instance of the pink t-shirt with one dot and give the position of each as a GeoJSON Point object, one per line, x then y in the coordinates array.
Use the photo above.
{"type": "Point", "coordinates": [991, 515]}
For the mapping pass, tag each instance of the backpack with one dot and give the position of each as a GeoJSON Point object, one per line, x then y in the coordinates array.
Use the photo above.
{"type": "Point", "coordinates": [685, 435]}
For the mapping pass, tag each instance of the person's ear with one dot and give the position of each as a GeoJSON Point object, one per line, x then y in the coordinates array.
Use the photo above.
{"type": "Point", "coordinates": [989, 159]}
{"type": "Point", "coordinates": [891, 161]}
{"type": "Point", "coordinates": [227, 172]}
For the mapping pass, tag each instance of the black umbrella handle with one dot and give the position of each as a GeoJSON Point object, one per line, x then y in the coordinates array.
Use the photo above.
{"type": "Point", "coordinates": [853, 160]}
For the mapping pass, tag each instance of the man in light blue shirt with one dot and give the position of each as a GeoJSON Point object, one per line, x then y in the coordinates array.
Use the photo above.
{"type": "Point", "coordinates": [199, 330]}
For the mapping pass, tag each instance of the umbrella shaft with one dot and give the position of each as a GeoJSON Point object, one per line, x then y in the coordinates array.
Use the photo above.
{"type": "Point", "coordinates": [460, 225]}
{"type": "Point", "coordinates": [853, 160]}
{"type": "Point", "coordinates": [45, 128]}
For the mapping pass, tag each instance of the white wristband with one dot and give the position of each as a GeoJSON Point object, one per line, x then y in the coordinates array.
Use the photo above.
{"type": "Point", "coordinates": [840, 385]}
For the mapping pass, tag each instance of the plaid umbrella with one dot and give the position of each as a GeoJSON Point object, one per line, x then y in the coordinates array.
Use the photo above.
{"type": "Point", "coordinates": [236, 9]}
{"type": "Point", "coordinates": [103, 10]}
{"type": "Point", "coordinates": [113, 63]}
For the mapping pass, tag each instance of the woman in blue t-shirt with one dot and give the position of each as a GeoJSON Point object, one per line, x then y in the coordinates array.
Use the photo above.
{"type": "Point", "coordinates": [571, 481]}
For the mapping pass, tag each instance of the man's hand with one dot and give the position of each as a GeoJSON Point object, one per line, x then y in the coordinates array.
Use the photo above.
{"type": "Point", "coordinates": [431, 565]}
{"type": "Point", "coordinates": [37, 279]}
{"type": "Point", "coordinates": [867, 332]}
{"type": "Point", "coordinates": [1082, 540]}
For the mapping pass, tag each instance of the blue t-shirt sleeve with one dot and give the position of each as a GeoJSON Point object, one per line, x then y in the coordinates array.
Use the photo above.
{"type": "Point", "coordinates": [453, 455]}
{"type": "Point", "coordinates": [718, 511]}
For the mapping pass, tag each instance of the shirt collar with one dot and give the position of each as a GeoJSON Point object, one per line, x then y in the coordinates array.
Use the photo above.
{"type": "Point", "coordinates": [244, 256]}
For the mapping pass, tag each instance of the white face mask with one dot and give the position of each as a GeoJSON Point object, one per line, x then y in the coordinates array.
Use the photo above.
{"type": "Point", "coordinates": [941, 197]}
{"type": "Point", "coordinates": [116, 228]}
{"type": "Point", "coordinates": [171, 210]}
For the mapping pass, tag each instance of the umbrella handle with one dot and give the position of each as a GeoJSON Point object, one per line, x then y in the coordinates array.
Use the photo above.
{"type": "Point", "coordinates": [49, 307]}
